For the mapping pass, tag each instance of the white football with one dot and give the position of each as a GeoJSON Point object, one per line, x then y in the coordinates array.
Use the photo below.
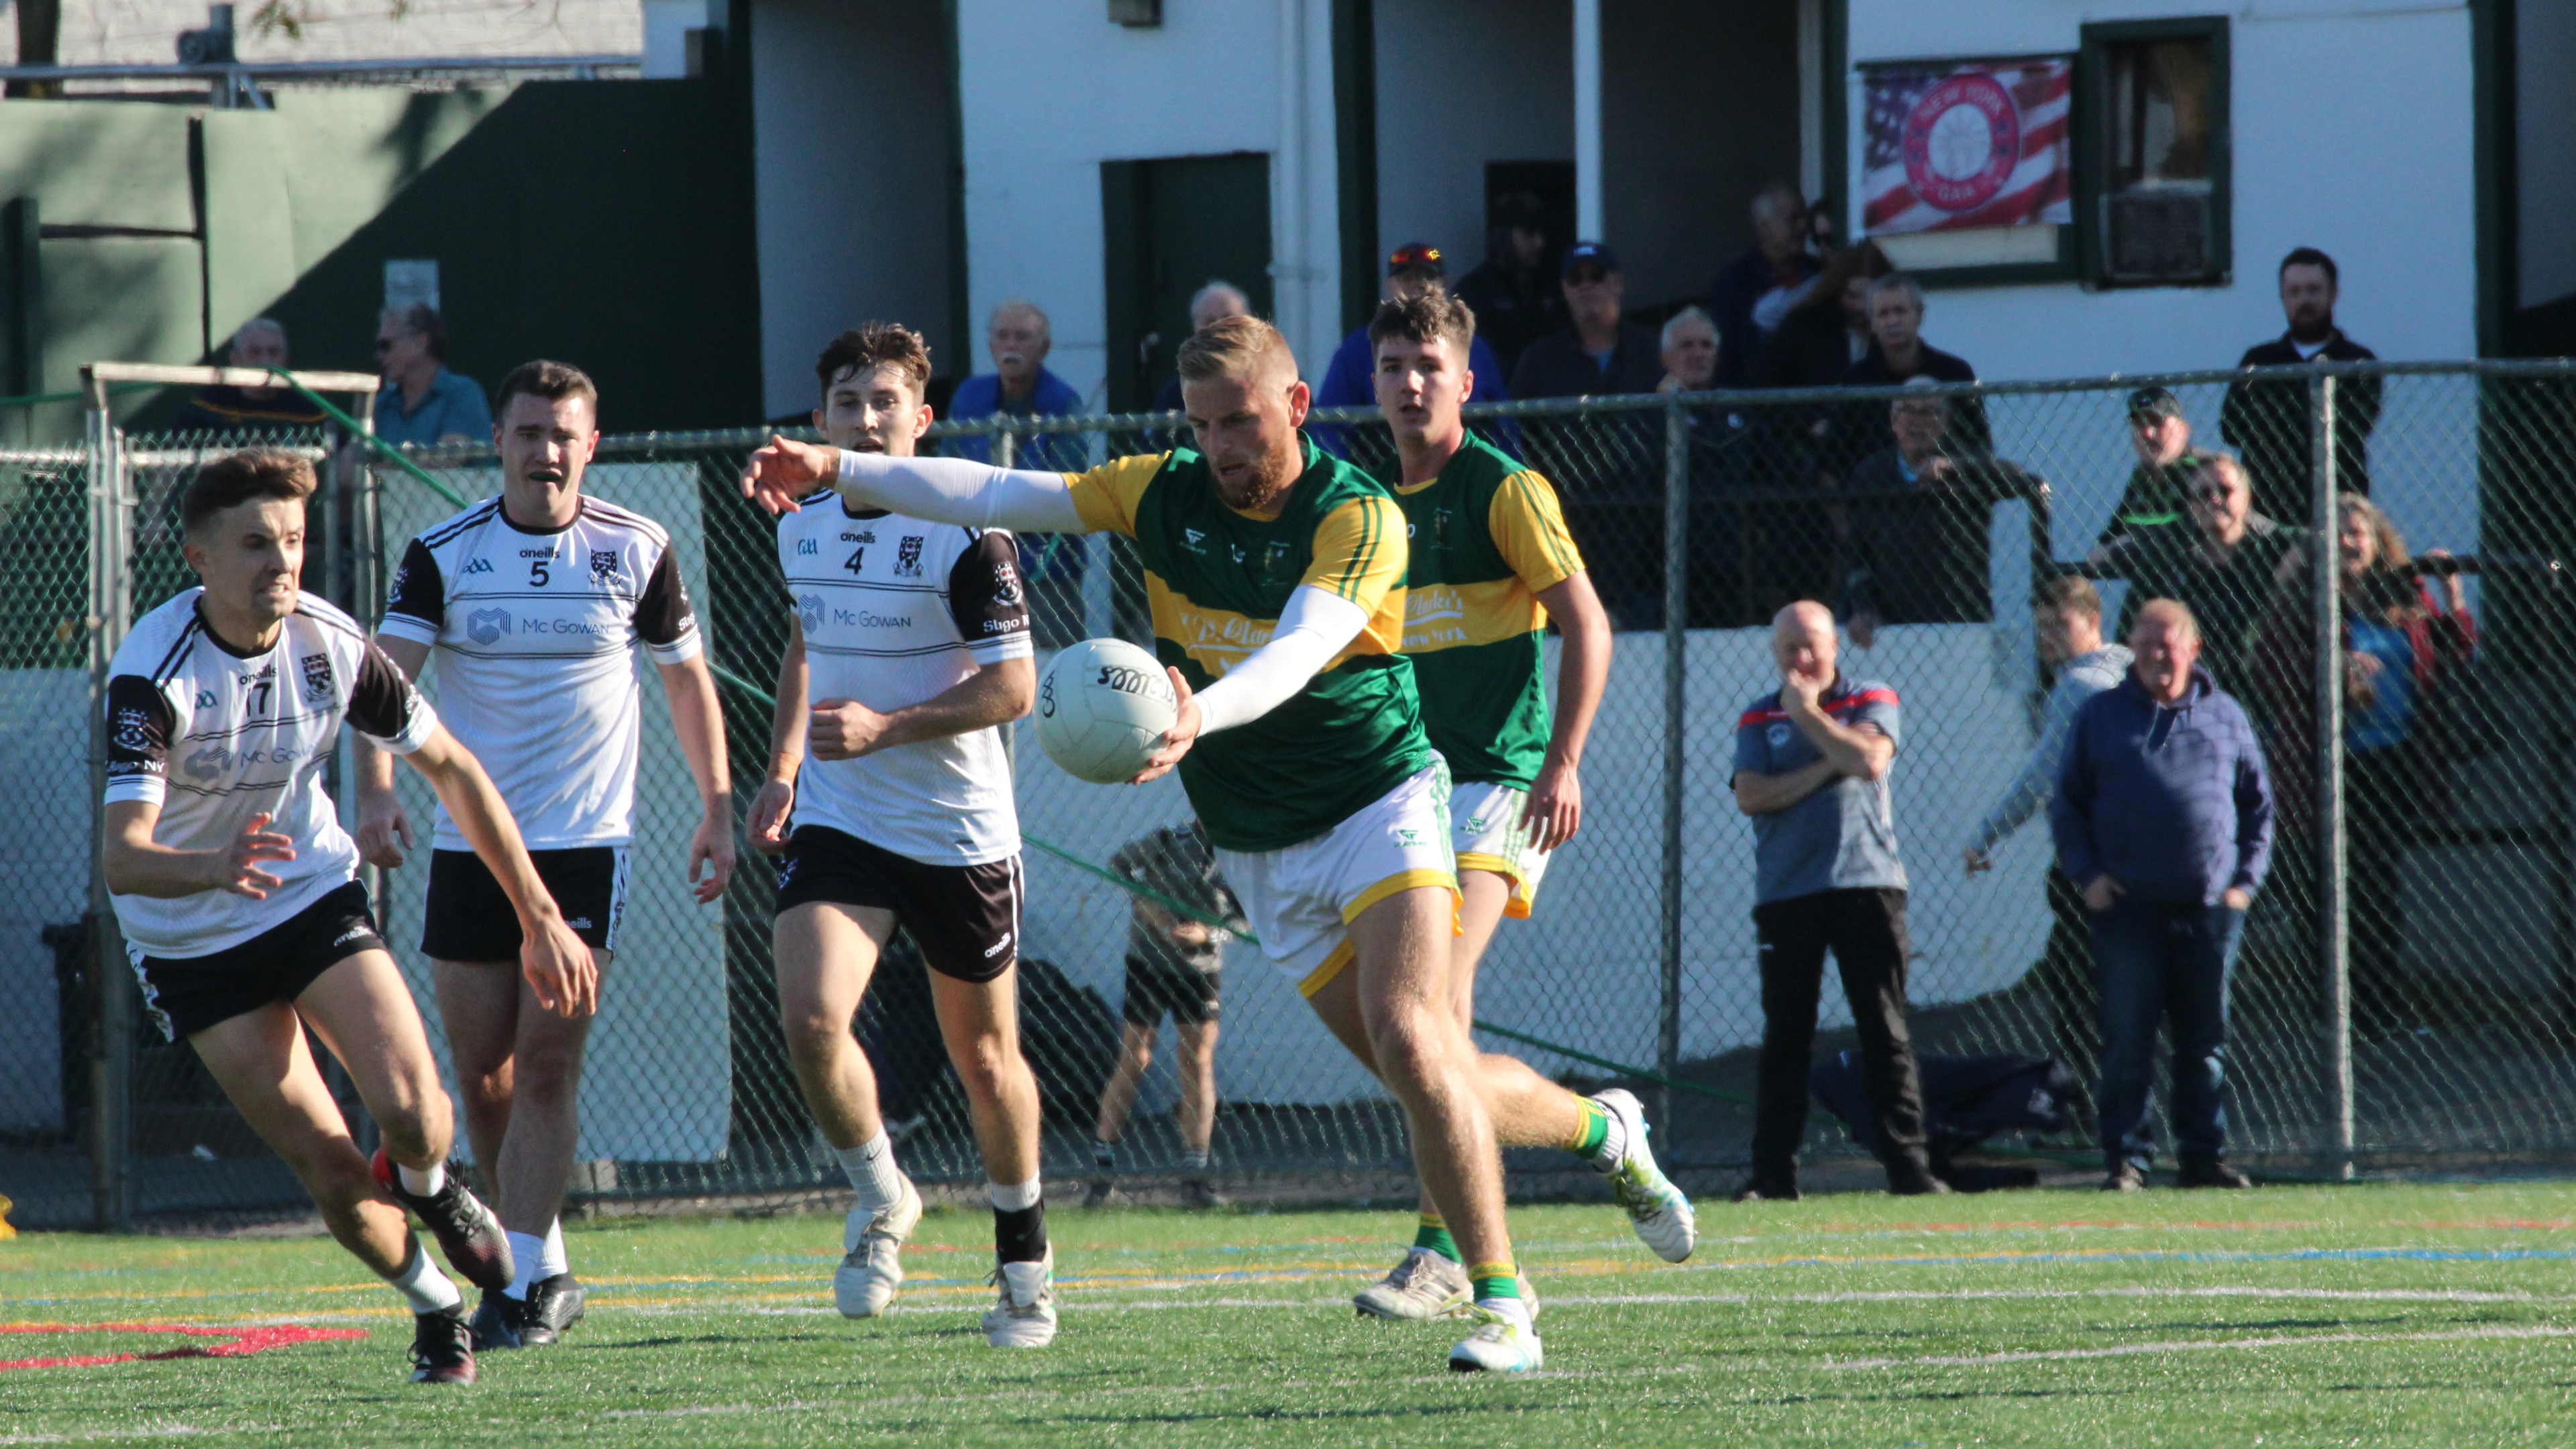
{"type": "Point", "coordinates": [1104, 706]}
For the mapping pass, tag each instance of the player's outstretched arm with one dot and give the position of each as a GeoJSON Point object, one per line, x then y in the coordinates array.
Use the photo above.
{"type": "Point", "coordinates": [384, 828]}
{"type": "Point", "coordinates": [558, 966]}
{"type": "Point", "coordinates": [138, 866]}
{"type": "Point", "coordinates": [1555, 809]}
{"type": "Point", "coordinates": [697, 717]}
{"type": "Point", "coordinates": [777, 798]}
{"type": "Point", "coordinates": [1316, 625]}
{"type": "Point", "coordinates": [942, 490]}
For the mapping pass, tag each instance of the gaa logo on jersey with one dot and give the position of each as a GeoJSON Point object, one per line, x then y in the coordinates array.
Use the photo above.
{"type": "Point", "coordinates": [484, 626]}
{"type": "Point", "coordinates": [205, 699]}
{"type": "Point", "coordinates": [472, 566]}
{"type": "Point", "coordinates": [907, 557]}
{"type": "Point", "coordinates": [133, 731]}
{"type": "Point", "coordinates": [317, 678]}
{"type": "Point", "coordinates": [603, 564]}
{"type": "Point", "coordinates": [809, 611]}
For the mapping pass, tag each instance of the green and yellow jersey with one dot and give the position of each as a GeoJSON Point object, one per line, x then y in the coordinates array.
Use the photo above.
{"type": "Point", "coordinates": [1487, 537]}
{"type": "Point", "coordinates": [1217, 579]}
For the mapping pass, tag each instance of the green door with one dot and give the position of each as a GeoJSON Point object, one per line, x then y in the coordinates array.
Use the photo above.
{"type": "Point", "coordinates": [1172, 226]}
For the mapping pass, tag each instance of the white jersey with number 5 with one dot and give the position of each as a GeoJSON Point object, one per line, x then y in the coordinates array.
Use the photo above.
{"type": "Point", "coordinates": [896, 611]}
{"type": "Point", "coordinates": [536, 633]}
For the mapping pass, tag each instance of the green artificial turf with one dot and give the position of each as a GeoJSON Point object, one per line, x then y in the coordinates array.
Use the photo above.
{"type": "Point", "coordinates": [2420, 1315]}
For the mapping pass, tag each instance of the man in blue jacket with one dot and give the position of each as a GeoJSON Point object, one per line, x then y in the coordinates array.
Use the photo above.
{"type": "Point", "coordinates": [2163, 816]}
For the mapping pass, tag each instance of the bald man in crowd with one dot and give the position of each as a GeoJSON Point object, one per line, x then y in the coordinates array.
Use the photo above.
{"type": "Point", "coordinates": [2163, 818]}
{"type": "Point", "coordinates": [1812, 760]}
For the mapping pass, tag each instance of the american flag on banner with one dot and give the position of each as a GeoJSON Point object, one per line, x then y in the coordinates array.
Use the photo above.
{"type": "Point", "coordinates": [1979, 143]}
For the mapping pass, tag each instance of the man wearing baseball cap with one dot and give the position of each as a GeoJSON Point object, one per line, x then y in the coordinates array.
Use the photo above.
{"type": "Point", "coordinates": [1601, 351]}
{"type": "Point", "coordinates": [2159, 488]}
{"type": "Point", "coordinates": [1350, 381]}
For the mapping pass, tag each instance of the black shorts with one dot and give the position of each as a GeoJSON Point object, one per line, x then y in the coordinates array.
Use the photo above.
{"type": "Point", "coordinates": [1154, 987]}
{"type": "Point", "coordinates": [468, 918]}
{"type": "Point", "coordinates": [965, 918]}
{"type": "Point", "coordinates": [185, 995]}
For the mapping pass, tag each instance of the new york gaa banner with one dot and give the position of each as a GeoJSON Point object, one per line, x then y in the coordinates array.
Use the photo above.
{"type": "Point", "coordinates": [1958, 144]}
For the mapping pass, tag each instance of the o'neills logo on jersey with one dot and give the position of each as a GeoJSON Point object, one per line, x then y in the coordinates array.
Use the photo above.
{"type": "Point", "coordinates": [485, 626]}
{"type": "Point", "coordinates": [317, 678]}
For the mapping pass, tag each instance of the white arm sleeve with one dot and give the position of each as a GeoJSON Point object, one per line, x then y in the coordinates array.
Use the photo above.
{"type": "Point", "coordinates": [957, 490]}
{"type": "Point", "coordinates": [1312, 629]}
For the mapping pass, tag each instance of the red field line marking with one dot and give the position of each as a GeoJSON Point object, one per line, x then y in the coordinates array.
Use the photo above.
{"type": "Point", "coordinates": [238, 1342]}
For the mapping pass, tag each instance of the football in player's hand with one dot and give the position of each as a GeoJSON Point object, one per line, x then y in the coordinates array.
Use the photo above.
{"type": "Point", "coordinates": [1103, 707]}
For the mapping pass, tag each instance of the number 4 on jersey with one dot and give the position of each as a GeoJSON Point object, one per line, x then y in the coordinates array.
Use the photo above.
{"type": "Point", "coordinates": [856, 556]}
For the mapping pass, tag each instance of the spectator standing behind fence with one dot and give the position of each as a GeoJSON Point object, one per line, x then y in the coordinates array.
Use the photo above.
{"type": "Point", "coordinates": [1897, 353]}
{"type": "Point", "coordinates": [1599, 351]}
{"type": "Point", "coordinates": [1174, 965]}
{"type": "Point", "coordinates": [1916, 519]}
{"type": "Point", "coordinates": [2224, 565]}
{"type": "Point", "coordinates": [2164, 818]}
{"type": "Point", "coordinates": [223, 408]}
{"type": "Point", "coordinates": [2159, 488]}
{"type": "Point", "coordinates": [1754, 293]}
{"type": "Point", "coordinates": [422, 402]}
{"type": "Point", "coordinates": [1513, 292]}
{"type": "Point", "coordinates": [2068, 623]}
{"type": "Point", "coordinates": [1018, 338]}
{"type": "Point", "coordinates": [1811, 768]}
{"type": "Point", "coordinates": [2402, 649]}
{"type": "Point", "coordinates": [1209, 305]}
{"type": "Point", "coordinates": [2269, 421]}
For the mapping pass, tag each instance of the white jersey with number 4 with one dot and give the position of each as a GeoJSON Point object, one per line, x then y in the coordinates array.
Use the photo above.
{"type": "Point", "coordinates": [215, 738]}
{"type": "Point", "coordinates": [536, 634]}
{"type": "Point", "coordinates": [896, 611]}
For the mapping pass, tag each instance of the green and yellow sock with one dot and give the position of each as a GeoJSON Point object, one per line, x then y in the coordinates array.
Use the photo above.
{"type": "Point", "coordinates": [1434, 1235]}
{"type": "Point", "coordinates": [1495, 1280]}
{"type": "Point", "coordinates": [1591, 1130]}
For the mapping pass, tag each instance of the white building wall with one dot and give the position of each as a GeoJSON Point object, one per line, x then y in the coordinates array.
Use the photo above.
{"type": "Point", "coordinates": [1051, 91]}
{"type": "Point", "coordinates": [851, 203]}
{"type": "Point", "coordinates": [2351, 130]}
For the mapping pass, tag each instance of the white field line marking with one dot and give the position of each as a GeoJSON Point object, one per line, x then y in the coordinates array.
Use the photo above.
{"type": "Point", "coordinates": [701, 1411]}
{"type": "Point", "coordinates": [147, 1431]}
{"type": "Point", "coordinates": [2188, 1345]}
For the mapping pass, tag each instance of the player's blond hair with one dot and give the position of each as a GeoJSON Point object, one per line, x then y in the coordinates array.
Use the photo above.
{"type": "Point", "coordinates": [1234, 347]}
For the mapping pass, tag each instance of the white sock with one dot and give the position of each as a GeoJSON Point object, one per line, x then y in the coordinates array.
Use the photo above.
{"type": "Point", "coordinates": [1194, 1161]}
{"type": "Point", "coordinates": [1614, 1146]}
{"type": "Point", "coordinates": [872, 1173]}
{"type": "Point", "coordinates": [553, 1260]}
{"type": "Point", "coordinates": [425, 1288]}
{"type": "Point", "coordinates": [527, 1254]}
{"type": "Point", "coordinates": [420, 1183]}
{"type": "Point", "coordinates": [1515, 1309]}
{"type": "Point", "coordinates": [1009, 1199]}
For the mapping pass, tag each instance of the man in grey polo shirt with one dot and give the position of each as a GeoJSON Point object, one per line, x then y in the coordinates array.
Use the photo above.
{"type": "Point", "coordinates": [1811, 766]}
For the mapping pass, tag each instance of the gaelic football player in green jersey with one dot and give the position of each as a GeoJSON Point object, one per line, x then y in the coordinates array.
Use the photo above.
{"type": "Point", "coordinates": [1491, 563]}
{"type": "Point", "coordinates": [1275, 574]}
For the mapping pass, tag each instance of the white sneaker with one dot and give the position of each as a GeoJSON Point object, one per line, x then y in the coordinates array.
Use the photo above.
{"type": "Point", "coordinates": [1025, 1316]}
{"type": "Point", "coordinates": [1501, 1344]}
{"type": "Point", "coordinates": [871, 1256]}
{"type": "Point", "coordinates": [1660, 1212]}
{"type": "Point", "coordinates": [1425, 1285]}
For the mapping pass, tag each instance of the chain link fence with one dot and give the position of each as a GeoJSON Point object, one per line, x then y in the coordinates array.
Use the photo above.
{"type": "Point", "coordinates": [2406, 992]}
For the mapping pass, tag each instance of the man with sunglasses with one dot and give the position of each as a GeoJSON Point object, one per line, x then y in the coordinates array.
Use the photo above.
{"type": "Point", "coordinates": [1601, 351]}
{"type": "Point", "coordinates": [2223, 562]}
{"type": "Point", "coordinates": [422, 402]}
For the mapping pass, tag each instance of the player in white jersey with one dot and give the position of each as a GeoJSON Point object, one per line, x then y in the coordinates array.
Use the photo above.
{"type": "Point", "coordinates": [908, 656]}
{"type": "Point", "coordinates": [535, 604]}
{"type": "Point", "coordinates": [235, 886]}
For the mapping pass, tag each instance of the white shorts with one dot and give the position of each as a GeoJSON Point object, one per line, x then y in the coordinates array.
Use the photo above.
{"type": "Point", "coordinates": [1486, 832]}
{"type": "Point", "coordinates": [1302, 900]}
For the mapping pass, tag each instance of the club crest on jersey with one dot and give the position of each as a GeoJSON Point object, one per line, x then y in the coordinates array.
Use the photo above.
{"type": "Point", "coordinates": [209, 762]}
{"type": "Point", "coordinates": [317, 678]}
{"type": "Point", "coordinates": [1778, 735]}
{"type": "Point", "coordinates": [1277, 561]}
{"type": "Point", "coordinates": [1006, 583]}
{"type": "Point", "coordinates": [603, 564]}
{"type": "Point", "coordinates": [809, 611]}
{"type": "Point", "coordinates": [133, 731]}
{"type": "Point", "coordinates": [472, 566]}
{"type": "Point", "coordinates": [907, 557]}
{"type": "Point", "coordinates": [484, 626]}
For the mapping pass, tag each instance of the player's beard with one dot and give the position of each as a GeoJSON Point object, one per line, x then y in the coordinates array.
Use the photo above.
{"type": "Point", "coordinates": [1263, 483]}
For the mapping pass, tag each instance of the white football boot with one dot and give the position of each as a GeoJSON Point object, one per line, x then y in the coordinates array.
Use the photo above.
{"type": "Point", "coordinates": [871, 1256]}
{"type": "Point", "coordinates": [1500, 1344]}
{"type": "Point", "coordinates": [1025, 1316]}
{"type": "Point", "coordinates": [1660, 1212]}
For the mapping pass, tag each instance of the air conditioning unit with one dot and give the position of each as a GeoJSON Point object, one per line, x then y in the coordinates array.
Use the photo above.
{"type": "Point", "coordinates": [2157, 234]}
